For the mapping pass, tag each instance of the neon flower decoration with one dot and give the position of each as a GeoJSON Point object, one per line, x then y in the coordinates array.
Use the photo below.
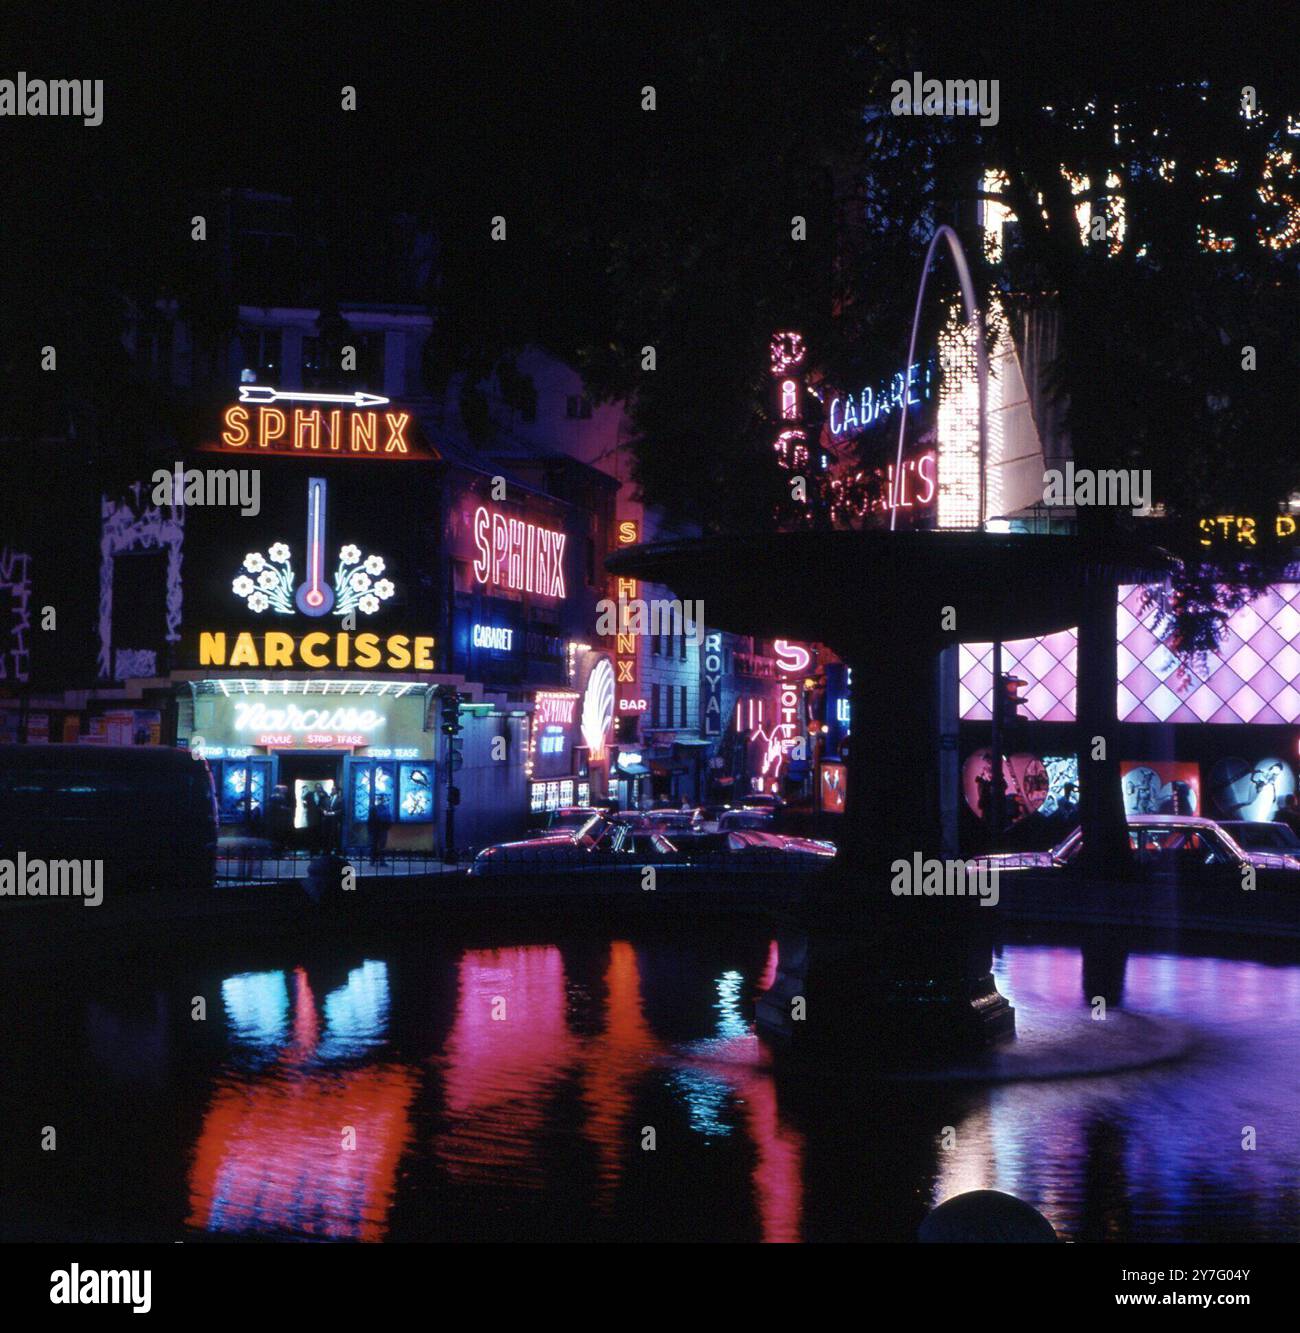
{"type": "Point", "coordinates": [266, 582]}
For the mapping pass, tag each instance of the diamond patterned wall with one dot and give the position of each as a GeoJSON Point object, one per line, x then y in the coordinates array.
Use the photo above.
{"type": "Point", "coordinates": [1046, 663]}
{"type": "Point", "coordinates": [1252, 678]}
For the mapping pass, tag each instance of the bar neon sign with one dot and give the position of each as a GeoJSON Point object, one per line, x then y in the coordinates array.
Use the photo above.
{"type": "Point", "coordinates": [521, 556]}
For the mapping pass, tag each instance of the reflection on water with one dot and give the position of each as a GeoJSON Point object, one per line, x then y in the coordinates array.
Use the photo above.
{"type": "Point", "coordinates": [302, 1139]}
{"type": "Point", "coordinates": [617, 1090]}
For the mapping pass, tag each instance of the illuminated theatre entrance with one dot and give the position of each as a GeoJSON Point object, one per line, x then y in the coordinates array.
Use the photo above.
{"type": "Point", "coordinates": [278, 748]}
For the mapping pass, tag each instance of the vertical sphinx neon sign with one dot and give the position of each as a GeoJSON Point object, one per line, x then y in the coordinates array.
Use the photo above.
{"type": "Point", "coordinates": [628, 693]}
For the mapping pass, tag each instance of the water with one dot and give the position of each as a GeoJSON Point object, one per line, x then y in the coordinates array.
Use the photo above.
{"type": "Point", "coordinates": [509, 1087]}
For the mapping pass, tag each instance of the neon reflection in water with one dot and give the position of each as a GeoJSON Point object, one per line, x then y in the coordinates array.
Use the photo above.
{"type": "Point", "coordinates": [296, 1141]}
{"type": "Point", "coordinates": [511, 1053]}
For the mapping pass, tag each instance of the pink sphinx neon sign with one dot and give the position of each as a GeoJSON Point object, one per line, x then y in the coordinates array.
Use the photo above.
{"type": "Point", "coordinates": [515, 554]}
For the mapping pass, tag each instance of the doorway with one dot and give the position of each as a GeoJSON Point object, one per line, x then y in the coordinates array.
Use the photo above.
{"type": "Point", "coordinates": [311, 779]}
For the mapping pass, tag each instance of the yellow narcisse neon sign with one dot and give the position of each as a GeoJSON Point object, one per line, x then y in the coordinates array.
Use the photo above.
{"type": "Point", "coordinates": [275, 648]}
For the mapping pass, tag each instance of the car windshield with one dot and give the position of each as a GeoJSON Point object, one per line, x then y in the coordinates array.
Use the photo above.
{"type": "Point", "coordinates": [1265, 837]}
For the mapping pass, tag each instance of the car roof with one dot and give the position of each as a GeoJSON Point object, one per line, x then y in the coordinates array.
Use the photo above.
{"type": "Point", "coordinates": [1192, 821]}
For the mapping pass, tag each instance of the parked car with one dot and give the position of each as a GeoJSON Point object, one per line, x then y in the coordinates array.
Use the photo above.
{"type": "Point", "coordinates": [706, 817]}
{"type": "Point", "coordinates": [566, 818]}
{"type": "Point", "coordinates": [662, 820]}
{"type": "Point", "coordinates": [1263, 836]}
{"type": "Point", "coordinates": [602, 846]}
{"type": "Point", "coordinates": [757, 800]}
{"type": "Point", "coordinates": [148, 812]}
{"type": "Point", "coordinates": [758, 819]}
{"type": "Point", "coordinates": [598, 844]}
{"type": "Point", "coordinates": [1165, 846]}
{"type": "Point", "coordinates": [751, 848]}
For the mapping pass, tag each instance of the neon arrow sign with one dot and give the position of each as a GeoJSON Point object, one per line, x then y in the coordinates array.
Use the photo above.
{"type": "Point", "coordinates": [263, 393]}
{"type": "Point", "coordinates": [315, 597]}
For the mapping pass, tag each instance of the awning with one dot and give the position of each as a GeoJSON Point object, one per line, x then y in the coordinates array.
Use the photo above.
{"type": "Point", "coordinates": [632, 771]}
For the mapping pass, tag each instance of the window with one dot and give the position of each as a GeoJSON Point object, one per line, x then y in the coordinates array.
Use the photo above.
{"type": "Point", "coordinates": [654, 705]}
{"type": "Point", "coordinates": [668, 690]}
{"type": "Point", "coordinates": [681, 647]}
{"type": "Point", "coordinates": [260, 349]}
{"type": "Point", "coordinates": [685, 719]}
{"type": "Point", "coordinates": [654, 644]}
{"type": "Point", "coordinates": [578, 407]}
{"type": "Point", "coordinates": [322, 362]}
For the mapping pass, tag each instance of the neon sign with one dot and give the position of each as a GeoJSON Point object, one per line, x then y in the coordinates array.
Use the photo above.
{"type": "Point", "coordinates": [341, 432]}
{"type": "Point", "coordinates": [792, 660]}
{"type": "Point", "coordinates": [1244, 529]}
{"type": "Point", "coordinates": [251, 716]}
{"type": "Point", "coordinates": [598, 709]}
{"type": "Point", "coordinates": [264, 393]}
{"type": "Point", "coordinates": [497, 638]}
{"type": "Point", "coordinates": [521, 556]}
{"type": "Point", "coordinates": [266, 582]}
{"type": "Point", "coordinates": [364, 652]}
{"type": "Point", "coordinates": [788, 354]}
{"type": "Point", "coordinates": [553, 708]}
{"type": "Point", "coordinates": [853, 413]}
{"type": "Point", "coordinates": [791, 657]}
{"type": "Point", "coordinates": [711, 686]}
{"type": "Point", "coordinates": [630, 699]}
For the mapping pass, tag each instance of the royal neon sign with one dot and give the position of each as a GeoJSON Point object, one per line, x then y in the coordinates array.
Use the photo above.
{"type": "Point", "coordinates": [515, 554]}
{"type": "Point", "coordinates": [852, 413]}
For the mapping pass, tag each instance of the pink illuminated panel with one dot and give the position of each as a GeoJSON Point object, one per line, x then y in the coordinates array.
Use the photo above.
{"type": "Point", "coordinates": [1253, 677]}
{"type": "Point", "coordinates": [1046, 663]}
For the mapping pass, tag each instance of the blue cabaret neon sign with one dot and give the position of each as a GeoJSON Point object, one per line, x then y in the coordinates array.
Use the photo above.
{"type": "Point", "coordinates": [853, 413]}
